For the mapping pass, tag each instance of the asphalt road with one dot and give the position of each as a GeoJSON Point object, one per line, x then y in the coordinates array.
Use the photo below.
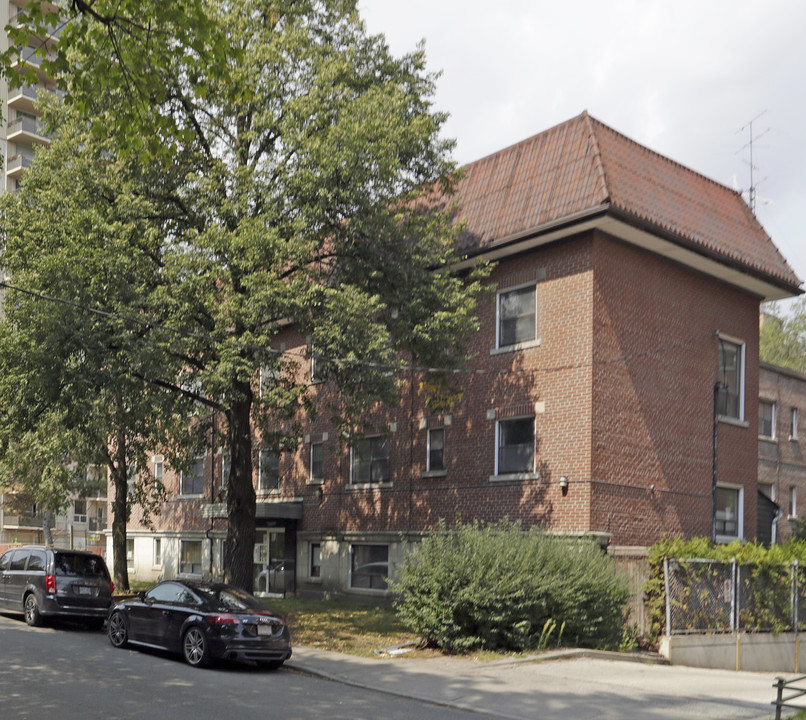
{"type": "Point", "coordinates": [70, 673]}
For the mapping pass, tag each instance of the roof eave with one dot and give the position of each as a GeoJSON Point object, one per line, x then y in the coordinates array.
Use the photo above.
{"type": "Point", "coordinates": [643, 234]}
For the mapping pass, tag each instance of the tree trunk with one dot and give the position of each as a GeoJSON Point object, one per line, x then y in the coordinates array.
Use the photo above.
{"type": "Point", "coordinates": [47, 535]}
{"type": "Point", "coordinates": [240, 496]}
{"type": "Point", "coordinates": [120, 569]}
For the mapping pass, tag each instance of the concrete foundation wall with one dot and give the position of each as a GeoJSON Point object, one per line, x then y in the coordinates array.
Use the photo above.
{"type": "Point", "coordinates": [756, 652]}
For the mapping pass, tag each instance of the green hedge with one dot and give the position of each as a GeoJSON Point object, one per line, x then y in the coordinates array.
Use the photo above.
{"type": "Point", "coordinates": [498, 587]}
{"type": "Point", "coordinates": [766, 580]}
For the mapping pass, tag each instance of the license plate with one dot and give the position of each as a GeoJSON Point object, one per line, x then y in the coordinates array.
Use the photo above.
{"type": "Point", "coordinates": [84, 590]}
{"type": "Point", "coordinates": [264, 630]}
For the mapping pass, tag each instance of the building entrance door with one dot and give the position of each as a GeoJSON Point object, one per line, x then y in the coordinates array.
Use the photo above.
{"type": "Point", "coordinates": [268, 562]}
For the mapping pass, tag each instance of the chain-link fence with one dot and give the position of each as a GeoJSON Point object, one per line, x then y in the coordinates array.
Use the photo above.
{"type": "Point", "coordinates": [710, 596]}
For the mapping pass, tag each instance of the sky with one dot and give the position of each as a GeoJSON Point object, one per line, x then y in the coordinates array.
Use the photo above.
{"type": "Point", "coordinates": [687, 78]}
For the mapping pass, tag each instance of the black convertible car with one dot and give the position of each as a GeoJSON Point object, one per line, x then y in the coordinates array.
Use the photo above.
{"type": "Point", "coordinates": [203, 621]}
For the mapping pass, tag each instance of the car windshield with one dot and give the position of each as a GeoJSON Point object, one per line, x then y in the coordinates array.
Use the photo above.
{"type": "Point", "coordinates": [228, 599]}
{"type": "Point", "coordinates": [72, 564]}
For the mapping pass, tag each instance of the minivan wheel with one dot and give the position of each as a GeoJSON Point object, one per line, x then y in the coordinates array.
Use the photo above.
{"type": "Point", "coordinates": [32, 615]}
{"type": "Point", "coordinates": [117, 631]}
{"type": "Point", "coordinates": [195, 647]}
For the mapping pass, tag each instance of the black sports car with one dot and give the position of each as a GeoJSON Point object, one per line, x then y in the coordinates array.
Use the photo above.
{"type": "Point", "coordinates": [203, 621]}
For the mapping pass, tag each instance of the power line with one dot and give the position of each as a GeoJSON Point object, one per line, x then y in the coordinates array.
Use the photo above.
{"type": "Point", "coordinates": [400, 368]}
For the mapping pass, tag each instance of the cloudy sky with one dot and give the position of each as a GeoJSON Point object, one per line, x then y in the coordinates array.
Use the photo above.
{"type": "Point", "coordinates": [684, 77]}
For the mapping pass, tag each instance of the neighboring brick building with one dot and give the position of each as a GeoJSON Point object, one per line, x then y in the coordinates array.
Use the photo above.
{"type": "Point", "coordinates": [626, 315]}
{"type": "Point", "coordinates": [781, 462]}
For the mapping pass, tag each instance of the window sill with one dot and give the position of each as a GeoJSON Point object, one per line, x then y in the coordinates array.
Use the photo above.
{"type": "Point", "coordinates": [315, 481]}
{"type": "Point", "coordinates": [368, 486]}
{"type": "Point", "coordinates": [793, 438]}
{"type": "Point", "coordinates": [727, 539]}
{"type": "Point", "coordinates": [515, 347]}
{"type": "Point", "coordinates": [266, 493]}
{"type": "Point", "coordinates": [515, 477]}
{"type": "Point", "coordinates": [768, 439]}
{"type": "Point", "coordinates": [434, 473]}
{"type": "Point", "coordinates": [733, 421]}
{"type": "Point", "coordinates": [190, 496]}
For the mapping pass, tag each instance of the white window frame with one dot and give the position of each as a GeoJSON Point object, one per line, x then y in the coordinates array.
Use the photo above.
{"type": "Point", "coordinates": [157, 553]}
{"type": "Point", "coordinates": [740, 514]}
{"type": "Point", "coordinates": [428, 466]}
{"type": "Point", "coordinates": [130, 554]}
{"type": "Point", "coordinates": [370, 482]}
{"type": "Point", "coordinates": [263, 483]}
{"type": "Point", "coordinates": [772, 404]}
{"type": "Point", "coordinates": [519, 473]}
{"type": "Point", "coordinates": [793, 424]}
{"type": "Point", "coordinates": [742, 371]}
{"type": "Point", "coordinates": [318, 566]}
{"type": "Point", "coordinates": [520, 344]}
{"type": "Point", "coordinates": [792, 508]}
{"type": "Point", "coordinates": [79, 517]}
{"type": "Point", "coordinates": [321, 476]}
{"type": "Point", "coordinates": [182, 493]}
{"type": "Point", "coordinates": [191, 572]}
{"type": "Point", "coordinates": [384, 589]}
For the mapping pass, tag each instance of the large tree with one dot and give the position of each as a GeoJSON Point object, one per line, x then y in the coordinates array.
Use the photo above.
{"type": "Point", "coordinates": [783, 335]}
{"type": "Point", "coordinates": [77, 363]}
{"type": "Point", "coordinates": [303, 171]}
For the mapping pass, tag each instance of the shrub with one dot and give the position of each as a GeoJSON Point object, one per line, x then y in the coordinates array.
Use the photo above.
{"type": "Point", "coordinates": [497, 587]}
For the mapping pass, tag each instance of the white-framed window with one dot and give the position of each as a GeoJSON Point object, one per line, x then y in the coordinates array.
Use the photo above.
{"type": "Point", "coordinates": [80, 511]}
{"type": "Point", "coordinates": [268, 470]}
{"type": "Point", "coordinates": [317, 366]}
{"type": "Point", "coordinates": [159, 468]}
{"type": "Point", "coordinates": [317, 456]}
{"type": "Point", "coordinates": [731, 377]}
{"type": "Point", "coordinates": [157, 552]}
{"type": "Point", "coordinates": [369, 566]}
{"type": "Point", "coordinates": [190, 557]}
{"type": "Point", "coordinates": [130, 553]}
{"type": "Point", "coordinates": [226, 462]}
{"type": "Point", "coordinates": [517, 316]}
{"type": "Point", "coordinates": [192, 481]}
{"type": "Point", "coordinates": [315, 560]}
{"type": "Point", "coordinates": [729, 512]}
{"type": "Point", "coordinates": [435, 459]}
{"type": "Point", "coordinates": [766, 419]}
{"type": "Point", "coordinates": [793, 424]}
{"type": "Point", "coordinates": [515, 446]}
{"type": "Point", "coordinates": [369, 460]}
{"type": "Point", "coordinates": [793, 501]}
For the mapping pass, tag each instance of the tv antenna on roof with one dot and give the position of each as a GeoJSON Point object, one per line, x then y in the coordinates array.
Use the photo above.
{"type": "Point", "coordinates": [751, 192]}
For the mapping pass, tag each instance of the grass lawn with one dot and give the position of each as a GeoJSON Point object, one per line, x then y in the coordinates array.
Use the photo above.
{"type": "Point", "coordinates": [346, 627]}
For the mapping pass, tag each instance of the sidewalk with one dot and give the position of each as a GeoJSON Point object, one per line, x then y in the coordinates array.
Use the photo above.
{"type": "Point", "coordinates": [555, 685]}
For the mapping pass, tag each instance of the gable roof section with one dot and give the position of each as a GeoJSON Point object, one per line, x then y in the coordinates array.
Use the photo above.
{"type": "Point", "coordinates": [582, 171]}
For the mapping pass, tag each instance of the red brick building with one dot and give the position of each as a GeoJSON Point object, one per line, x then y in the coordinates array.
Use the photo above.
{"type": "Point", "coordinates": [623, 331]}
{"type": "Point", "coordinates": [781, 461]}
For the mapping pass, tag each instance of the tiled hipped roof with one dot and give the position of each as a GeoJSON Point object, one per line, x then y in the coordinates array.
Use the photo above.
{"type": "Point", "coordinates": [582, 167]}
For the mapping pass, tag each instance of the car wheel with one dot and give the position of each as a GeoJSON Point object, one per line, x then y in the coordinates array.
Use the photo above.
{"type": "Point", "coordinates": [117, 630]}
{"type": "Point", "coordinates": [195, 647]}
{"type": "Point", "coordinates": [32, 615]}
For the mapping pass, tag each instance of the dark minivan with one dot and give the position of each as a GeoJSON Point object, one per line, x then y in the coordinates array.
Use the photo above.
{"type": "Point", "coordinates": [44, 582]}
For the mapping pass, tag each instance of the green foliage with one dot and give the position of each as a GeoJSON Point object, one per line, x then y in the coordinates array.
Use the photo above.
{"type": "Point", "coordinates": [497, 587]}
{"type": "Point", "coordinates": [765, 588]}
{"type": "Point", "coordinates": [257, 166]}
{"type": "Point", "coordinates": [782, 337]}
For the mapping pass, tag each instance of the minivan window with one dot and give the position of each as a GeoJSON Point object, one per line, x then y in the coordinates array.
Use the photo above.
{"type": "Point", "coordinates": [80, 565]}
{"type": "Point", "coordinates": [18, 561]}
{"type": "Point", "coordinates": [4, 561]}
{"type": "Point", "coordinates": [37, 561]}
